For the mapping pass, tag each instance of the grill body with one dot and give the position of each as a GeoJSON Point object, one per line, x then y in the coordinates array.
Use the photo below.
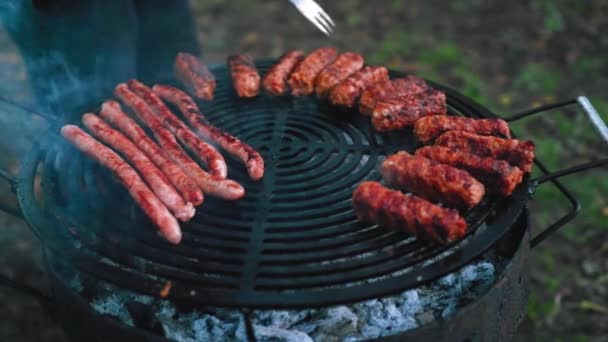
{"type": "Point", "coordinates": [292, 242]}
{"type": "Point", "coordinates": [494, 316]}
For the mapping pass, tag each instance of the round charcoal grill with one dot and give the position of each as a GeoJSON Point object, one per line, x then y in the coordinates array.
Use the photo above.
{"type": "Point", "coordinates": [293, 241]}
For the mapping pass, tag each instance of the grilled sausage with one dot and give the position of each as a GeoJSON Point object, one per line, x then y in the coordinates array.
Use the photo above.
{"type": "Point", "coordinates": [153, 176]}
{"type": "Point", "coordinates": [250, 157]}
{"type": "Point", "coordinates": [345, 65]}
{"type": "Point", "coordinates": [112, 113]}
{"type": "Point", "coordinates": [195, 76]}
{"type": "Point", "coordinates": [205, 152]}
{"type": "Point", "coordinates": [275, 81]}
{"type": "Point", "coordinates": [518, 153]}
{"type": "Point", "coordinates": [433, 181]}
{"type": "Point", "coordinates": [223, 188]}
{"type": "Point", "coordinates": [347, 93]}
{"type": "Point", "coordinates": [388, 90]}
{"type": "Point", "coordinates": [302, 79]}
{"type": "Point", "coordinates": [376, 204]}
{"type": "Point", "coordinates": [245, 77]}
{"type": "Point", "coordinates": [395, 114]}
{"type": "Point", "coordinates": [497, 175]}
{"type": "Point", "coordinates": [143, 196]}
{"type": "Point", "coordinates": [430, 127]}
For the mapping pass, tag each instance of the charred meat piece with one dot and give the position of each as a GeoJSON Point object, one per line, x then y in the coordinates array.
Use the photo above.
{"type": "Point", "coordinates": [112, 113]}
{"type": "Point", "coordinates": [205, 152]}
{"type": "Point", "coordinates": [430, 127]}
{"type": "Point", "coordinates": [497, 175]}
{"type": "Point", "coordinates": [153, 176]}
{"type": "Point", "coordinates": [143, 196]}
{"type": "Point", "coordinates": [389, 90]}
{"type": "Point", "coordinates": [302, 79]}
{"type": "Point", "coordinates": [431, 180]}
{"type": "Point", "coordinates": [195, 76]}
{"type": "Point", "coordinates": [376, 204]}
{"type": "Point", "coordinates": [345, 65]}
{"type": "Point", "coordinates": [518, 153]}
{"type": "Point", "coordinates": [245, 77]}
{"type": "Point", "coordinates": [275, 82]}
{"type": "Point", "coordinates": [223, 188]}
{"type": "Point", "coordinates": [397, 113]}
{"type": "Point", "coordinates": [347, 93]}
{"type": "Point", "coordinates": [249, 156]}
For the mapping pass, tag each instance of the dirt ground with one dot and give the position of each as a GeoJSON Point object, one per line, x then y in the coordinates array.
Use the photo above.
{"type": "Point", "coordinates": [509, 56]}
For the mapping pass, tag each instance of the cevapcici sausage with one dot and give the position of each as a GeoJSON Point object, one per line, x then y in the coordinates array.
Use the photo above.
{"type": "Point", "coordinates": [275, 81]}
{"type": "Point", "coordinates": [433, 181]}
{"type": "Point", "coordinates": [223, 188]}
{"type": "Point", "coordinates": [112, 113]}
{"type": "Point", "coordinates": [207, 153]}
{"type": "Point", "coordinates": [195, 75]}
{"type": "Point", "coordinates": [388, 90]}
{"type": "Point", "coordinates": [497, 175]}
{"type": "Point", "coordinates": [143, 196]}
{"type": "Point", "coordinates": [153, 176]}
{"type": "Point", "coordinates": [430, 127]}
{"type": "Point", "coordinates": [519, 153]}
{"type": "Point", "coordinates": [376, 204]}
{"type": "Point", "coordinates": [302, 79]}
{"type": "Point", "coordinates": [345, 65]}
{"type": "Point", "coordinates": [250, 157]}
{"type": "Point", "coordinates": [348, 92]}
{"type": "Point", "coordinates": [245, 76]}
{"type": "Point", "coordinates": [395, 114]}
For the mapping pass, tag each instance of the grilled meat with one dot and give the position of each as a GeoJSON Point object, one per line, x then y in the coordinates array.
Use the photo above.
{"type": "Point", "coordinates": [389, 90]}
{"type": "Point", "coordinates": [223, 188]}
{"type": "Point", "coordinates": [245, 77]}
{"type": "Point", "coordinates": [205, 152]}
{"type": "Point", "coordinates": [400, 112]}
{"type": "Point", "coordinates": [302, 79]}
{"type": "Point", "coordinates": [195, 76]}
{"type": "Point", "coordinates": [519, 153]}
{"type": "Point", "coordinates": [153, 176]}
{"type": "Point", "coordinates": [347, 93]}
{"type": "Point", "coordinates": [430, 127]}
{"type": "Point", "coordinates": [112, 113]}
{"type": "Point", "coordinates": [497, 175]}
{"type": "Point", "coordinates": [345, 65]}
{"type": "Point", "coordinates": [430, 180]}
{"type": "Point", "coordinates": [249, 156]}
{"type": "Point", "coordinates": [143, 196]}
{"type": "Point", "coordinates": [376, 204]}
{"type": "Point", "coordinates": [275, 82]}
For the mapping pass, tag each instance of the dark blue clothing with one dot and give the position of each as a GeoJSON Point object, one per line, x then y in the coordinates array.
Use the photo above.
{"type": "Point", "coordinates": [76, 51]}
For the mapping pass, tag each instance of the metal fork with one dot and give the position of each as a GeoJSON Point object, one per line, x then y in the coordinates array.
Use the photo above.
{"type": "Point", "coordinates": [313, 12]}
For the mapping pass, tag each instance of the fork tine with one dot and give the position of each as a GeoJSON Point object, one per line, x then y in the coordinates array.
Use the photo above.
{"type": "Point", "coordinates": [320, 11]}
{"type": "Point", "coordinates": [327, 17]}
{"type": "Point", "coordinates": [315, 14]}
{"type": "Point", "coordinates": [323, 22]}
{"type": "Point", "coordinates": [321, 25]}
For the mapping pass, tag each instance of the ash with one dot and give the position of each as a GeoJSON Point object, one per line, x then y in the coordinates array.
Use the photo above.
{"type": "Point", "coordinates": [361, 321]}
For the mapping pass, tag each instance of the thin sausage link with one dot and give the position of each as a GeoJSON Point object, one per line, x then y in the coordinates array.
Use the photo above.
{"type": "Point", "coordinates": [112, 113]}
{"type": "Point", "coordinates": [240, 150]}
{"type": "Point", "coordinates": [223, 188]}
{"type": "Point", "coordinates": [143, 196]}
{"type": "Point", "coordinates": [205, 152]}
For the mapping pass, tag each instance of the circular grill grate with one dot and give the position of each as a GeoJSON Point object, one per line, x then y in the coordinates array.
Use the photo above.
{"type": "Point", "coordinates": [293, 241]}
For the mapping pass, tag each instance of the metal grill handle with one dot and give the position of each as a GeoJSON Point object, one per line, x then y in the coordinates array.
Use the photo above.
{"type": "Point", "coordinates": [600, 126]}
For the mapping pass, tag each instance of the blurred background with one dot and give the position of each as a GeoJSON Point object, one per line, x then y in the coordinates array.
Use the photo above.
{"type": "Point", "coordinates": [507, 55]}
